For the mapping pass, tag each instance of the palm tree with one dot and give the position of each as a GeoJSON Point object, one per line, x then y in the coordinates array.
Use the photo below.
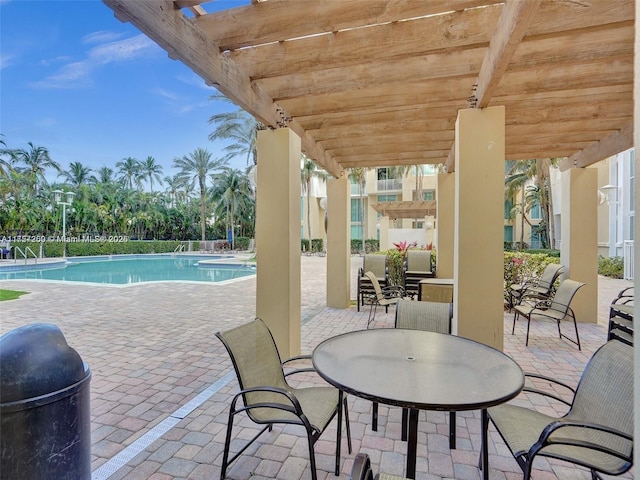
{"type": "Point", "coordinates": [77, 174]}
{"type": "Point", "coordinates": [519, 173]}
{"type": "Point", "coordinates": [35, 161]}
{"type": "Point", "coordinates": [239, 127]}
{"type": "Point", "coordinates": [307, 173]}
{"type": "Point", "coordinates": [105, 176]}
{"type": "Point", "coordinates": [129, 170]}
{"type": "Point", "coordinates": [149, 169]}
{"type": "Point", "coordinates": [232, 196]}
{"type": "Point", "coordinates": [359, 175]}
{"type": "Point", "coordinates": [195, 168]}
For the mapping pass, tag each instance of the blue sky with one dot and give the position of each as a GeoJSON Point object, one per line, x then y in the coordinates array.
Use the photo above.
{"type": "Point", "coordinates": [91, 89]}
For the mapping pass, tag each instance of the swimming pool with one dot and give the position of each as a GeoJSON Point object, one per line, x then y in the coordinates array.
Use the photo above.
{"type": "Point", "coordinates": [130, 270]}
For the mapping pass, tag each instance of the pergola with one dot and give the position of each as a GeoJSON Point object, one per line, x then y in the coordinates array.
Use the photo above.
{"type": "Point", "coordinates": [368, 83]}
{"type": "Point", "coordinates": [466, 84]}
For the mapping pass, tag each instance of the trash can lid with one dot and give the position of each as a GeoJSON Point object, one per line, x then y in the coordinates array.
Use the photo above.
{"type": "Point", "coordinates": [36, 360]}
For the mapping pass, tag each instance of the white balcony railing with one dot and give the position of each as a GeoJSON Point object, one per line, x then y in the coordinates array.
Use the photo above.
{"type": "Point", "coordinates": [628, 259]}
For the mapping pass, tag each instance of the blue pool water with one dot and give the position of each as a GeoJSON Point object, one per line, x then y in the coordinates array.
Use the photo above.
{"type": "Point", "coordinates": [125, 271]}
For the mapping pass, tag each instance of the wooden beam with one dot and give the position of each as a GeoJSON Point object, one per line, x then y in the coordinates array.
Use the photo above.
{"type": "Point", "coordinates": [269, 21]}
{"type": "Point", "coordinates": [511, 28]}
{"type": "Point", "coordinates": [610, 145]}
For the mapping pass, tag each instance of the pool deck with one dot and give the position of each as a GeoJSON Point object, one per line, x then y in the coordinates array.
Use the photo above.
{"type": "Point", "coordinates": [161, 382]}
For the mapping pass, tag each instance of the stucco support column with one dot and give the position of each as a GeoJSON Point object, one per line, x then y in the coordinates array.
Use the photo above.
{"type": "Point", "coordinates": [478, 238]}
{"type": "Point", "coordinates": [278, 237]}
{"type": "Point", "coordinates": [579, 248]}
{"type": "Point", "coordinates": [338, 244]}
{"type": "Point", "coordinates": [445, 224]}
{"type": "Point", "coordinates": [385, 244]}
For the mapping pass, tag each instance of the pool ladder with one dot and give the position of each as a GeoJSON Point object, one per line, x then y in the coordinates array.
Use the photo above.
{"type": "Point", "coordinates": [178, 249]}
{"type": "Point", "coordinates": [24, 253]}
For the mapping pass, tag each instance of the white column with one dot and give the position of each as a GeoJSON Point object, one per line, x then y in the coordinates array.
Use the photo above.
{"type": "Point", "coordinates": [479, 207]}
{"type": "Point", "coordinates": [338, 244]}
{"type": "Point", "coordinates": [278, 293]}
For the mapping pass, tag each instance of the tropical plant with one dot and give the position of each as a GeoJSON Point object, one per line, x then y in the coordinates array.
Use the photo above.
{"type": "Point", "coordinates": [150, 170]}
{"type": "Point", "coordinates": [239, 127]}
{"type": "Point", "coordinates": [307, 173]}
{"type": "Point", "coordinates": [359, 176]}
{"type": "Point", "coordinates": [76, 175]}
{"type": "Point", "coordinates": [195, 168]}
{"type": "Point", "coordinates": [129, 170]}
{"type": "Point", "coordinates": [33, 163]}
{"type": "Point", "coordinates": [232, 195]}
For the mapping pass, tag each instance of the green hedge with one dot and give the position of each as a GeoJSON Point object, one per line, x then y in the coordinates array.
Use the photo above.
{"type": "Point", "coordinates": [242, 243]}
{"type": "Point", "coordinates": [115, 246]}
{"type": "Point", "coordinates": [371, 245]}
{"type": "Point", "coordinates": [611, 267]}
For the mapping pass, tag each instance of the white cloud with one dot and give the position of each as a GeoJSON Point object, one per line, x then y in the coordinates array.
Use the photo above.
{"type": "Point", "coordinates": [78, 74]}
{"type": "Point", "coordinates": [5, 60]}
{"type": "Point", "coordinates": [101, 36]}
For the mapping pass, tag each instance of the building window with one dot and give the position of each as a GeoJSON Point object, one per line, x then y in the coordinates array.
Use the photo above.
{"type": "Point", "coordinates": [356, 211]}
{"type": "Point", "coordinates": [356, 232]}
{"type": "Point", "coordinates": [508, 206]}
{"type": "Point", "coordinates": [428, 194]}
{"type": "Point", "coordinates": [387, 198]}
{"type": "Point", "coordinates": [535, 213]}
{"type": "Point", "coordinates": [508, 234]}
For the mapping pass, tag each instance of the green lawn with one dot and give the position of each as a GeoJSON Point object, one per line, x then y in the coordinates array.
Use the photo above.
{"type": "Point", "coordinates": [10, 294]}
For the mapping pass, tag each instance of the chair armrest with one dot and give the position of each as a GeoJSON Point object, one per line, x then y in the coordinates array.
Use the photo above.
{"type": "Point", "coordinates": [298, 370]}
{"type": "Point", "coordinates": [361, 469]}
{"type": "Point", "coordinates": [545, 393]}
{"type": "Point", "coordinates": [394, 291]}
{"type": "Point", "coordinates": [623, 297]}
{"type": "Point", "coordinates": [554, 429]}
{"type": "Point", "coordinates": [294, 408]}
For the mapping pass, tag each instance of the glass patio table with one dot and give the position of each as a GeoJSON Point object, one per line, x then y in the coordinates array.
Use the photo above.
{"type": "Point", "coordinates": [420, 370]}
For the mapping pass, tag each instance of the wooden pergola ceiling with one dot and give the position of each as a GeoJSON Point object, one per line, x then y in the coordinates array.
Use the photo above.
{"type": "Point", "coordinates": [406, 209]}
{"type": "Point", "coordinates": [368, 83]}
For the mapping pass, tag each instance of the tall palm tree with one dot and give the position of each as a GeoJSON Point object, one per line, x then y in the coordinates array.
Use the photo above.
{"type": "Point", "coordinates": [129, 170]}
{"type": "Point", "coordinates": [104, 175]}
{"type": "Point", "coordinates": [34, 162]}
{"type": "Point", "coordinates": [307, 173]}
{"type": "Point", "coordinates": [519, 173]}
{"type": "Point", "coordinates": [77, 174]}
{"type": "Point", "coordinates": [149, 169]}
{"type": "Point", "coordinates": [239, 127]}
{"type": "Point", "coordinates": [359, 175]}
{"type": "Point", "coordinates": [232, 195]}
{"type": "Point", "coordinates": [195, 168]}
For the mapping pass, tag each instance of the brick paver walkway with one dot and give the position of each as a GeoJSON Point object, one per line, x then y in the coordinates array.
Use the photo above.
{"type": "Point", "coordinates": [161, 382]}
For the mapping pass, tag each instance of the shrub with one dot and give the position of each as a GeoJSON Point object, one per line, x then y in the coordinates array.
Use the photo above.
{"type": "Point", "coordinates": [371, 245]}
{"type": "Point", "coordinates": [520, 267]}
{"type": "Point", "coordinates": [395, 260]}
{"type": "Point", "coordinates": [612, 267]}
{"type": "Point", "coordinates": [304, 245]}
{"type": "Point", "coordinates": [316, 245]}
{"type": "Point", "coordinates": [242, 243]}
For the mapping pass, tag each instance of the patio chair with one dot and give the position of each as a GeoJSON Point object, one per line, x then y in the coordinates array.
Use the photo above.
{"type": "Point", "coordinates": [382, 296]}
{"type": "Point", "coordinates": [377, 264]}
{"type": "Point", "coordinates": [269, 399]}
{"type": "Point", "coordinates": [418, 265]}
{"type": "Point", "coordinates": [556, 308]}
{"type": "Point", "coordinates": [430, 317]}
{"type": "Point", "coordinates": [596, 432]}
{"type": "Point", "coordinates": [621, 317]}
{"type": "Point", "coordinates": [538, 288]}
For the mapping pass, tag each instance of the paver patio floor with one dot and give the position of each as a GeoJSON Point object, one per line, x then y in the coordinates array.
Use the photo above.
{"type": "Point", "coordinates": [161, 382]}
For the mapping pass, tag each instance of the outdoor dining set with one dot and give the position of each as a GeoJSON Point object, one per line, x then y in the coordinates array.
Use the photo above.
{"type": "Point", "coordinates": [420, 365]}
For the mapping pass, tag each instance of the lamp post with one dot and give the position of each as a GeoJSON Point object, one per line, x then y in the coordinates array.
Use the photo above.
{"type": "Point", "coordinates": [67, 202]}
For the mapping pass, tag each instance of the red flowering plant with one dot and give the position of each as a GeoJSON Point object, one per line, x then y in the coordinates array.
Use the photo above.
{"type": "Point", "coordinates": [395, 260]}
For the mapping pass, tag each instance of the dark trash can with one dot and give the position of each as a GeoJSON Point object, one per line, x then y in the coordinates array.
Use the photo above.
{"type": "Point", "coordinates": [45, 420]}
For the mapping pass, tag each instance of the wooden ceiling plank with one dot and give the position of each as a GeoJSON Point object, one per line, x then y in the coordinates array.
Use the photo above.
{"type": "Point", "coordinates": [268, 22]}
{"type": "Point", "coordinates": [510, 30]}
{"type": "Point", "coordinates": [459, 30]}
{"type": "Point", "coordinates": [608, 146]}
{"type": "Point", "coordinates": [463, 63]}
